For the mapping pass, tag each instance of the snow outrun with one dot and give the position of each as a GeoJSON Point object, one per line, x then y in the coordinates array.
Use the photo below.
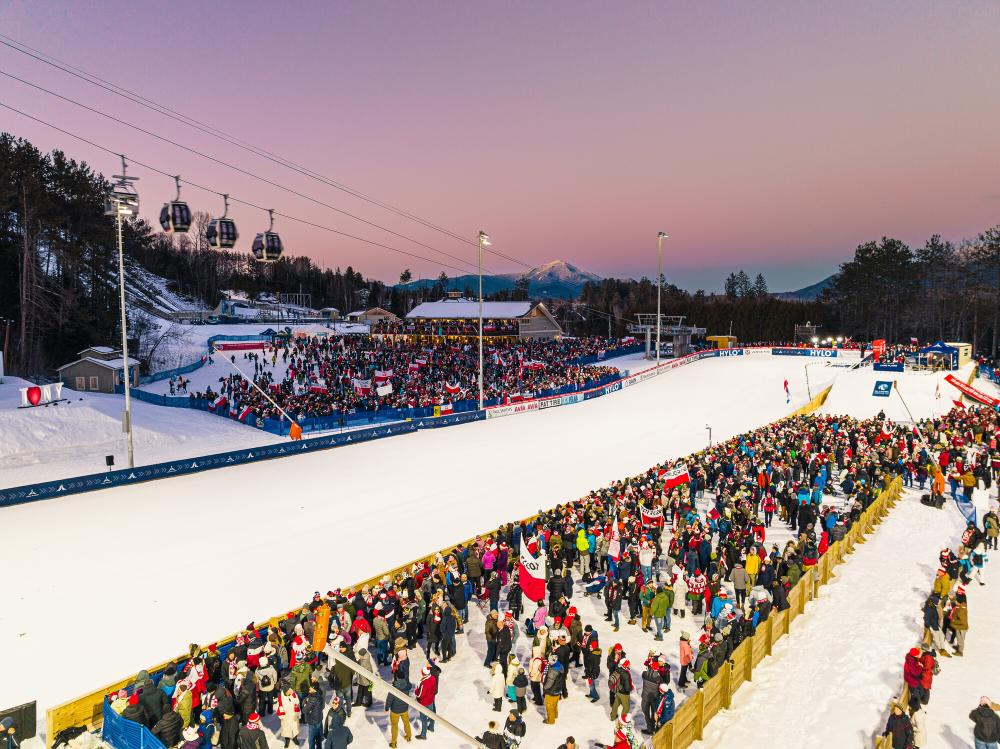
{"type": "Point", "coordinates": [119, 567]}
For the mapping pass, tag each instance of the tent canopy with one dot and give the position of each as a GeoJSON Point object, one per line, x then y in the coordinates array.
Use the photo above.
{"type": "Point", "coordinates": [939, 348]}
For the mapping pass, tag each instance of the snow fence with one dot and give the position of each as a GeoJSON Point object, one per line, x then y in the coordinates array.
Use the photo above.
{"type": "Point", "coordinates": [688, 723]}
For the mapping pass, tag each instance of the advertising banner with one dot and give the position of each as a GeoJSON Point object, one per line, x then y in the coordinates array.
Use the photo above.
{"type": "Point", "coordinates": [883, 389]}
{"type": "Point", "coordinates": [826, 353]}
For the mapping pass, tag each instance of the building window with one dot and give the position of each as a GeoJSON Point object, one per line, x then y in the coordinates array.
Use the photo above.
{"type": "Point", "coordinates": [81, 383]}
{"type": "Point", "coordinates": [525, 321]}
{"type": "Point", "coordinates": [95, 383]}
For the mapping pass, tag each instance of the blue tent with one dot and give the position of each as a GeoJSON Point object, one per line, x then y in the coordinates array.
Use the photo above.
{"type": "Point", "coordinates": [940, 349]}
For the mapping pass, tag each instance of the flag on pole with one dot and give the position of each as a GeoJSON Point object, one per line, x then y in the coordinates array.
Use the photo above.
{"type": "Point", "coordinates": [615, 546]}
{"type": "Point", "coordinates": [958, 404]}
{"type": "Point", "coordinates": [913, 341]}
{"type": "Point", "coordinates": [362, 387]}
{"type": "Point", "coordinates": [675, 476]}
{"type": "Point", "coordinates": [788, 393]}
{"type": "Point", "coordinates": [245, 413]}
{"type": "Point", "coordinates": [531, 572]}
{"type": "Point", "coordinates": [937, 391]}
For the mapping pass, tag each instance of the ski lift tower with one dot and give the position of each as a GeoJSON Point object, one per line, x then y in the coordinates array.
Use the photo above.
{"type": "Point", "coordinates": [672, 327]}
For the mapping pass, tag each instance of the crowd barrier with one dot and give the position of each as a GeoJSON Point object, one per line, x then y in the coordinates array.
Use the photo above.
{"type": "Point", "coordinates": [689, 721]}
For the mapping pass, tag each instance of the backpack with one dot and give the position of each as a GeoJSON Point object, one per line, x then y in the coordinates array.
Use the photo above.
{"type": "Point", "coordinates": [266, 682]}
{"type": "Point", "coordinates": [614, 681]}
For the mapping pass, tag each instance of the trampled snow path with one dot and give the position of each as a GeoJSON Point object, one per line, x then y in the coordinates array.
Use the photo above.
{"type": "Point", "coordinates": [829, 681]}
{"type": "Point", "coordinates": [126, 568]}
{"type": "Point", "coordinates": [964, 680]}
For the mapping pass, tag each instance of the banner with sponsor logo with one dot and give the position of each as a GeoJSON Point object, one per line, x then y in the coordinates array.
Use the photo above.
{"type": "Point", "coordinates": [828, 353]}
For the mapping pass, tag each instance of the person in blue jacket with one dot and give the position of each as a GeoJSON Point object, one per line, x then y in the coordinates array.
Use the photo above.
{"type": "Point", "coordinates": [665, 709]}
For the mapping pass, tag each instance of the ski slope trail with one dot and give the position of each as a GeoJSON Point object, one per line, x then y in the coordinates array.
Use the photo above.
{"type": "Point", "coordinates": [124, 569]}
{"type": "Point", "coordinates": [829, 681]}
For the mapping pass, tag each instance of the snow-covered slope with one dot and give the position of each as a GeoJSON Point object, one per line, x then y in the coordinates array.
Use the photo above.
{"type": "Point", "coordinates": [925, 393]}
{"type": "Point", "coordinates": [421, 492]}
{"type": "Point", "coordinates": [72, 438]}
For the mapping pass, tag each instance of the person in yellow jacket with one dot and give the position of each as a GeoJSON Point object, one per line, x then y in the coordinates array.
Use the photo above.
{"type": "Point", "coordinates": [752, 565]}
{"type": "Point", "coordinates": [968, 484]}
{"type": "Point", "coordinates": [583, 549]}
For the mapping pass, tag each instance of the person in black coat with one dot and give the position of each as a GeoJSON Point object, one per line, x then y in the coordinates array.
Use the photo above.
{"type": "Point", "coordinates": [251, 735]}
{"type": "Point", "coordinates": [338, 738]}
{"type": "Point", "coordinates": [154, 702]}
{"type": "Point", "coordinates": [493, 589]}
{"type": "Point", "coordinates": [135, 711]}
{"type": "Point", "coordinates": [449, 626]}
{"type": "Point", "coordinates": [899, 728]}
{"type": "Point", "coordinates": [229, 731]}
{"type": "Point", "coordinates": [987, 724]}
{"type": "Point", "coordinates": [168, 728]}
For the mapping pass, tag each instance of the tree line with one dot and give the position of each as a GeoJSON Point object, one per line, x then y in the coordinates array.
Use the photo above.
{"type": "Point", "coordinates": [59, 293]}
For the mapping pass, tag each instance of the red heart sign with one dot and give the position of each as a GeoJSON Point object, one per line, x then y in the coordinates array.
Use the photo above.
{"type": "Point", "coordinates": [34, 395]}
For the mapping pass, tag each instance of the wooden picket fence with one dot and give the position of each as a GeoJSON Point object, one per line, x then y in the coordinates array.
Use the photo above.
{"type": "Point", "coordinates": [688, 723]}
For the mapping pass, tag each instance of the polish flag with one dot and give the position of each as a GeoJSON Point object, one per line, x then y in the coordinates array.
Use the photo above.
{"type": "Point", "coordinates": [886, 433]}
{"type": "Point", "coordinates": [531, 573]}
{"type": "Point", "coordinates": [958, 404]}
{"type": "Point", "coordinates": [451, 389]}
{"type": "Point", "coordinates": [675, 476]}
{"type": "Point", "coordinates": [245, 413]}
{"type": "Point", "coordinates": [615, 546]}
{"type": "Point", "coordinates": [652, 515]}
{"type": "Point", "coordinates": [219, 403]}
{"type": "Point", "coordinates": [446, 408]}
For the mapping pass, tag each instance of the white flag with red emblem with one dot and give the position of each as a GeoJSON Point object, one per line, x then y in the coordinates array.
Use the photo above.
{"type": "Point", "coordinates": [531, 572]}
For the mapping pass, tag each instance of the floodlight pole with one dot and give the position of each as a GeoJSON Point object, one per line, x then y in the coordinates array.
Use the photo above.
{"type": "Point", "coordinates": [127, 376]}
{"type": "Point", "coordinates": [659, 283]}
{"type": "Point", "coordinates": [484, 240]}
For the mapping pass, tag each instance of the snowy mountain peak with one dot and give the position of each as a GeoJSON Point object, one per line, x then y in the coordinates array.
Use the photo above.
{"type": "Point", "coordinates": [560, 270]}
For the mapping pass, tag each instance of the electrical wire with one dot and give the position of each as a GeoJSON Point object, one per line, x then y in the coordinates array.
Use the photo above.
{"type": "Point", "coordinates": [235, 168]}
{"type": "Point", "coordinates": [165, 111]}
{"type": "Point", "coordinates": [233, 199]}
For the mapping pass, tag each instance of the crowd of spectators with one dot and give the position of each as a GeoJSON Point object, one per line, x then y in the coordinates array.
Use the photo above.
{"type": "Point", "coordinates": [312, 377]}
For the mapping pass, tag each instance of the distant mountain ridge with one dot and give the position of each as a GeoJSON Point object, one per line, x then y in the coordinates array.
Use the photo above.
{"type": "Point", "coordinates": [557, 279]}
{"type": "Point", "coordinates": [808, 293]}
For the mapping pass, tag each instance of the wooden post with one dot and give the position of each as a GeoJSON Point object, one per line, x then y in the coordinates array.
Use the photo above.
{"type": "Point", "coordinates": [664, 738]}
{"type": "Point", "coordinates": [700, 723]}
{"type": "Point", "coordinates": [770, 630]}
{"type": "Point", "coordinates": [749, 667]}
{"type": "Point", "coordinates": [727, 684]}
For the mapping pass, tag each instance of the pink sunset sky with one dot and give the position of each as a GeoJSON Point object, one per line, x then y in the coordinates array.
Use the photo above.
{"type": "Point", "coordinates": [770, 136]}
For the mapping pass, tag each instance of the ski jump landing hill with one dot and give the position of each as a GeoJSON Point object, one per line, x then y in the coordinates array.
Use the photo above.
{"type": "Point", "coordinates": [423, 491]}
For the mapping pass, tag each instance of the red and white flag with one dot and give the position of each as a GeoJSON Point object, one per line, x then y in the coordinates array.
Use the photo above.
{"type": "Point", "coordinates": [886, 433]}
{"type": "Point", "coordinates": [958, 404]}
{"type": "Point", "coordinates": [218, 403]}
{"type": "Point", "coordinates": [675, 476]}
{"type": "Point", "coordinates": [245, 413]}
{"type": "Point", "coordinates": [446, 408]}
{"type": "Point", "coordinates": [381, 375]}
{"type": "Point", "coordinates": [652, 515]}
{"type": "Point", "coordinates": [531, 573]}
{"type": "Point", "coordinates": [451, 389]}
{"type": "Point", "coordinates": [362, 387]}
{"type": "Point", "coordinates": [533, 365]}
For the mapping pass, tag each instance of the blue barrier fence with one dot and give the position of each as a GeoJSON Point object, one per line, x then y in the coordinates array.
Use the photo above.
{"type": "Point", "coordinates": [166, 374]}
{"type": "Point", "coordinates": [989, 374]}
{"type": "Point", "coordinates": [76, 485]}
{"type": "Point", "coordinates": [122, 733]}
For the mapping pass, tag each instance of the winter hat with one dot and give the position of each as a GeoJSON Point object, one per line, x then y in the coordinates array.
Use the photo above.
{"type": "Point", "coordinates": [190, 733]}
{"type": "Point", "coordinates": [685, 635]}
{"type": "Point", "coordinates": [664, 687]}
{"type": "Point", "coordinates": [426, 670]}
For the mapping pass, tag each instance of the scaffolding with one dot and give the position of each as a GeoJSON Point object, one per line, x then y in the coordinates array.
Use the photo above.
{"type": "Point", "coordinates": [671, 326]}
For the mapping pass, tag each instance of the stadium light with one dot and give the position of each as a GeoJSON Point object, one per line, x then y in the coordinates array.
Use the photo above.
{"type": "Point", "coordinates": [815, 339]}
{"type": "Point", "coordinates": [124, 201]}
{"type": "Point", "coordinates": [484, 241]}
{"type": "Point", "coordinates": [659, 282]}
